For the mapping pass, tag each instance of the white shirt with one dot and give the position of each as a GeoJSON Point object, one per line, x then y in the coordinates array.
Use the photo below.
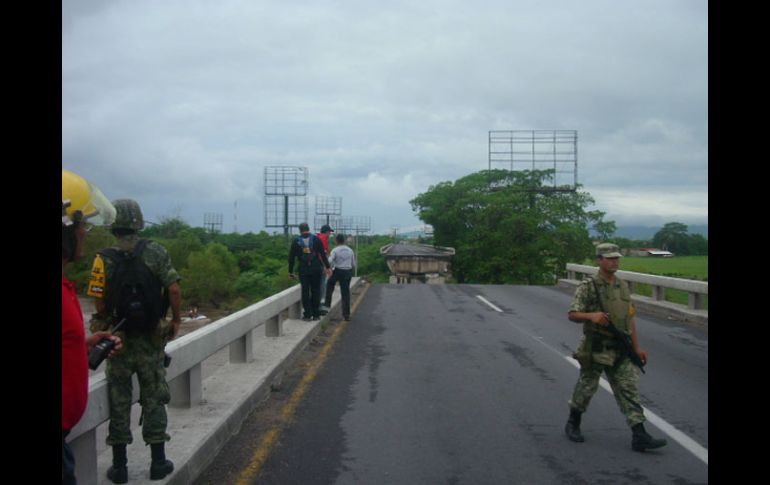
{"type": "Point", "coordinates": [342, 257]}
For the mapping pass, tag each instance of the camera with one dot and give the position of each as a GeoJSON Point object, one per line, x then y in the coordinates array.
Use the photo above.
{"type": "Point", "coordinates": [102, 349]}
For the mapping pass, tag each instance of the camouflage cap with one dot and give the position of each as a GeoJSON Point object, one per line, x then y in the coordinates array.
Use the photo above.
{"type": "Point", "coordinates": [608, 250]}
{"type": "Point", "coordinates": [129, 215]}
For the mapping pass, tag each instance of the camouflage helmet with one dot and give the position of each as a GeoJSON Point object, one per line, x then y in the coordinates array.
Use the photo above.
{"type": "Point", "coordinates": [129, 215]}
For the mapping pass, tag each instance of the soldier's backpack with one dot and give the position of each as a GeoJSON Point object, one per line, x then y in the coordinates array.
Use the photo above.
{"type": "Point", "coordinates": [133, 291]}
{"type": "Point", "coordinates": [309, 255]}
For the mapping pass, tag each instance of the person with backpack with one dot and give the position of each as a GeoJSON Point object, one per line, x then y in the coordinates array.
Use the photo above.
{"type": "Point", "coordinates": [133, 284]}
{"type": "Point", "coordinates": [309, 251]}
{"type": "Point", "coordinates": [82, 206]}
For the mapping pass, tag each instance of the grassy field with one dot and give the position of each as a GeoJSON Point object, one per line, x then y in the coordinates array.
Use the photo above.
{"type": "Point", "coordinates": [686, 267]}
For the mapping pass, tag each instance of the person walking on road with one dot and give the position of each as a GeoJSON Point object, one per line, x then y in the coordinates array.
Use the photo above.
{"type": "Point", "coordinates": [343, 260]}
{"type": "Point", "coordinates": [309, 250]}
{"type": "Point", "coordinates": [83, 205]}
{"type": "Point", "coordinates": [601, 299]}
{"type": "Point", "coordinates": [326, 231]}
{"type": "Point", "coordinates": [134, 282]}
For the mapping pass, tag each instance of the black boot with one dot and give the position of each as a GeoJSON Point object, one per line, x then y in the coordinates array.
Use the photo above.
{"type": "Point", "coordinates": [573, 426]}
{"type": "Point", "coordinates": [160, 466]}
{"type": "Point", "coordinates": [641, 441]}
{"type": "Point", "coordinates": [118, 472]}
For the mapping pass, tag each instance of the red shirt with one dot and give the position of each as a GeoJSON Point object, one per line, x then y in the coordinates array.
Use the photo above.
{"type": "Point", "coordinates": [74, 361]}
{"type": "Point", "coordinates": [324, 240]}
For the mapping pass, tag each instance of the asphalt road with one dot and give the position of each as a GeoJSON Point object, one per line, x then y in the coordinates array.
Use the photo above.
{"type": "Point", "coordinates": [429, 384]}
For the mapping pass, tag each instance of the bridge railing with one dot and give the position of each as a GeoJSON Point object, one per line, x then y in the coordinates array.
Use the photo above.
{"type": "Point", "coordinates": [696, 290]}
{"type": "Point", "coordinates": [184, 373]}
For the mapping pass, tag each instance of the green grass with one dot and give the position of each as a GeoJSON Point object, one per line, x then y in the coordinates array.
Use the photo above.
{"type": "Point", "coordinates": [685, 267]}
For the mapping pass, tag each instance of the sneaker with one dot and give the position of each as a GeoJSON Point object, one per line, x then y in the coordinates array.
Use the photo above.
{"type": "Point", "coordinates": [306, 319]}
{"type": "Point", "coordinates": [316, 318]}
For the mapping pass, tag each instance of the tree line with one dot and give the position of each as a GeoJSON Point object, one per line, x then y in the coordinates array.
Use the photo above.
{"type": "Point", "coordinates": [226, 271]}
{"type": "Point", "coordinates": [515, 228]}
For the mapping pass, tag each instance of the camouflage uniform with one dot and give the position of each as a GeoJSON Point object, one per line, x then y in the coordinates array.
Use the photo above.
{"type": "Point", "coordinates": [141, 354]}
{"type": "Point", "coordinates": [598, 353]}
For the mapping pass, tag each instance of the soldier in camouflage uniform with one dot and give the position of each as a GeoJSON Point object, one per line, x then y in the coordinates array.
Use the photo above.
{"type": "Point", "coordinates": [142, 353]}
{"type": "Point", "coordinates": [599, 353]}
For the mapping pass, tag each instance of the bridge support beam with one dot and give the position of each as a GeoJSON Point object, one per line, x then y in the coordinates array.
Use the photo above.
{"type": "Point", "coordinates": [274, 326]}
{"type": "Point", "coordinates": [187, 389]}
{"type": "Point", "coordinates": [241, 349]}
{"type": "Point", "coordinates": [84, 450]}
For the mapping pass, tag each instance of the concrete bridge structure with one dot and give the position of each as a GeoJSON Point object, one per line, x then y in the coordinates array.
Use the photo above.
{"type": "Point", "coordinates": [221, 372]}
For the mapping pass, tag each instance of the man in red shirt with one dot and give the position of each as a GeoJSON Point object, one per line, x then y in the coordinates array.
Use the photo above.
{"type": "Point", "coordinates": [83, 205]}
{"type": "Point", "coordinates": [326, 231]}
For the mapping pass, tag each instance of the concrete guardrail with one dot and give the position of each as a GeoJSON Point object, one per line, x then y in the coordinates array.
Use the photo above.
{"type": "Point", "coordinates": [184, 374]}
{"type": "Point", "coordinates": [696, 290]}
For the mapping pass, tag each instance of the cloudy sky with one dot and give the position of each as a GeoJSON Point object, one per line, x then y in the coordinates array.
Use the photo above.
{"type": "Point", "coordinates": [181, 104]}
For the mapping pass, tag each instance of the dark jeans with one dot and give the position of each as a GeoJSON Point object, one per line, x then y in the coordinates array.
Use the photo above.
{"type": "Point", "coordinates": [343, 276]}
{"type": "Point", "coordinates": [67, 462]}
{"type": "Point", "coordinates": [311, 294]}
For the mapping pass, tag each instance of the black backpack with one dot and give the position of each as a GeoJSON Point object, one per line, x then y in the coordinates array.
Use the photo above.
{"type": "Point", "coordinates": [309, 255]}
{"type": "Point", "coordinates": [133, 291]}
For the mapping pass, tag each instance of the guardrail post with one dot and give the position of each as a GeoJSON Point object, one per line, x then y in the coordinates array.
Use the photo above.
{"type": "Point", "coordinates": [695, 301]}
{"type": "Point", "coordinates": [84, 450]}
{"type": "Point", "coordinates": [241, 349]}
{"type": "Point", "coordinates": [295, 310]}
{"type": "Point", "coordinates": [274, 326]}
{"type": "Point", "coordinates": [187, 388]}
{"type": "Point", "coordinates": [658, 293]}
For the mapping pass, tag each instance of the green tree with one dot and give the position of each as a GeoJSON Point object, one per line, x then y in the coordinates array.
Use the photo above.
{"type": "Point", "coordinates": [697, 245]}
{"type": "Point", "coordinates": [210, 276]}
{"type": "Point", "coordinates": [604, 229]}
{"type": "Point", "coordinates": [672, 237]}
{"type": "Point", "coordinates": [506, 227]}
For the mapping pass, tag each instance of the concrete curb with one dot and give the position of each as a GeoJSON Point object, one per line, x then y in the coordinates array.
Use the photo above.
{"type": "Point", "coordinates": [661, 309]}
{"type": "Point", "coordinates": [231, 393]}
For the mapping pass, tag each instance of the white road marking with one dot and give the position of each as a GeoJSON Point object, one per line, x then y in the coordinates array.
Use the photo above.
{"type": "Point", "coordinates": [688, 443]}
{"type": "Point", "coordinates": [491, 305]}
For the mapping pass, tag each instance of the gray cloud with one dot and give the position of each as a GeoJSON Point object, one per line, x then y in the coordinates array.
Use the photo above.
{"type": "Point", "coordinates": [182, 104]}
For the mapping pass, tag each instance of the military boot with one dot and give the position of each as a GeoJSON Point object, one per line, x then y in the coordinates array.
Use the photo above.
{"type": "Point", "coordinates": [573, 426]}
{"type": "Point", "coordinates": [160, 466]}
{"type": "Point", "coordinates": [118, 472]}
{"type": "Point", "coordinates": [641, 441]}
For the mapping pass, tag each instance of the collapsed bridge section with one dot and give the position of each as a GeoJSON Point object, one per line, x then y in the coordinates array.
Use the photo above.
{"type": "Point", "coordinates": [418, 263]}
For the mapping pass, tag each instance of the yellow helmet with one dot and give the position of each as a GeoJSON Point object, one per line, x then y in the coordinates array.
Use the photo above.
{"type": "Point", "coordinates": [82, 200]}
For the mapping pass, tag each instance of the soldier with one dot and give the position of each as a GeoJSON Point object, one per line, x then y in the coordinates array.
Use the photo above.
{"type": "Point", "coordinates": [599, 353]}
{"type": "Point", "coordinates": [142, 349]}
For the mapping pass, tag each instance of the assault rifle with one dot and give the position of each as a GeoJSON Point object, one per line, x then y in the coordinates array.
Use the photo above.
{"type": "Point", "coordinates": [626, 345]}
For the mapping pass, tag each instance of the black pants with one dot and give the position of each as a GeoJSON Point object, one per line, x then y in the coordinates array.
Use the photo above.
{"type": "Point", "coordinates": [67, 461]}
{"type": "Point", "coordinates": [311, 294]}
{"type": "Point", "coordinates": [343, 276]}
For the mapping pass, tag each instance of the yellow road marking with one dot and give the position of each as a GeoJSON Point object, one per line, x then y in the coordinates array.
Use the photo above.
{"type": "Point", "coordinates": [272, 434]}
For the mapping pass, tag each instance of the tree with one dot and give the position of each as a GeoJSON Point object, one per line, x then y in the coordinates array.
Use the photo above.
{"type": "Point", "coordinates": [604, 229]}
{"type": "Point", "coordinates": [210, 275]}
{"type": "Point", "coordinates": [672, 237]}
{"type": "Point", "coordinates": [506, 227]}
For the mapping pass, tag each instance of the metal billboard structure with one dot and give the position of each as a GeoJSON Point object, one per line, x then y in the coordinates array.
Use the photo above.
{"type": "Point", "coordinates": [327, 207]}
{"type": "Point", "coordinates": [212, 222]}
{"type": "Point", "coordinates": [354, 225]}
{"type": "Point", "coordinates": [521, 150]}
{"type": "Point", "coordinates": [286, 197]}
